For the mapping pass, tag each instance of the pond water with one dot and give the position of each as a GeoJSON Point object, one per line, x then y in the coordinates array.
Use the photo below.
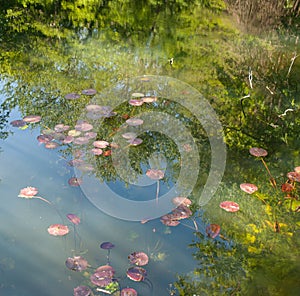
{"type": "Point", "coordinates": [162, 100]}
{"type": "Point", "coordinates": [33, 262]}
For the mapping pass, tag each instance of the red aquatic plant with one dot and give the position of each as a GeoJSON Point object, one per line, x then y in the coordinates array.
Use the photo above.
{"type": "Point", "coordinates": [103, 276]}
{"type": "Point", "coordinates": [82, 291]}
{"type": "Point", "coordinates": [136, 273]}
{"type": "Point", "coordinates": [261, 153]}
{"type": "Point", "coordinates": [89, 92]}
{"type": "Point", "coordinates": [156, 174]}
{"type": "Point", "coordinates": [107, 246]}
{"type": "Point", "coordinates": [73, 218]}
{"type": "Point", "coordinates": [229, 206]}
{"type": "Point", "coordinates": [77, 263]}
{"type": "Point", "coordinates": [58, 229]}
{"type": "Point", "coordinates": [31, 192]}
{"type": "Point", "coordinates": [75, 181]}
{"type": "Point", "coordinates": [138, 258]}
{"type": "Point", "coordinates": [32, 118]}
{"type": "Point", "coordinates": [248, 188]}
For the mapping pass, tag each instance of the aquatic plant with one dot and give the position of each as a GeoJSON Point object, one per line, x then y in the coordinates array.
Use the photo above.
{"type": "Point", "coordinates": [156, 174]}
{"type": "Point", "coordinates": [75, 221]}
{"type": "Point", "coordinates": [58, 229]}
{"type": "Point", "coordinates": [107, 246]}
{"type": "Point", "coordinates": [31, 192]}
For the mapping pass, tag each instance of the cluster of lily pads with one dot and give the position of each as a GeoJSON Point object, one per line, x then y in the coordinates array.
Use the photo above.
{"type": "Point", "coordinates": [83, 134]}
{"type": "Point", "coordinates": [103, 277]}
{"type": "Point", "coordinates": [290, 190]}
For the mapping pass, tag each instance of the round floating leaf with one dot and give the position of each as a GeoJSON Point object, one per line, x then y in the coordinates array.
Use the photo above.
{"type": "Point", "coordinates": [136, 102]}
{"type": "Point", "coordinates": [81, 140]}
{"type": "Point", "coordinates": [136, 273]}
{"type": "Point", "coordinates": [58, 229]}
{"type": "Point", "coordinates": [100, 144]}
{"type": "Point", "coordinates": [294, 176]}
{"type": "Point", "coordinates": [74, 133]}
{"type": "Point", "coordinates": [28, 192]}
{"type": "Point", "coordinates": [51, 145]}
{"type": "Point", "coordinates": [155, 174]}
{"type": "Point", "coordinates": [134, 121]}
{"type": "Point", "coordinates": [93, 108]}
{"type": "Point", "coordinates": [77, 263]}
{"type": "Point", "coordinates": [32, 118]}
{"type": "Point", "coordinates": [129, 136]}
{"type": "Point", "coordinates": [72, 96]}
{"type": "Point", "coordinates": [135, 142]}
{"type": "Point", "coordinates": [73, 218]}
{"type": "Point", "coordinates": [82, 291]}
{"type": "Point", "coordinates": [44, 138]}
{"type": "Point", "coordinates": [149, 99]}
{"type": "Point", "coordinates": [97, 151]}
{"type": "Point", "coordinates": [128, 292]}
{"type": "Point", "coordinates": [248, 187]}
{"type": "Point", "coordinates": [297, 169]}
{"type": "Point", "coordinates": [89, 92]}
{"type": "Point", "coordinates": [61, 128]}
{"type": "Point", "coordinates": [169, 220]}
{"type": "Point", "coordinates": [229, 206]}
{"type": "Point", "coordinates": [138, 258]}
{"type": "Point", "coordinates": [18, 123]}
{"type": "Point", "coordinates": [83, 126]}
{"type": "Point", "coordinates": [107, 246]}
{"type": "Point", "coordinates": [258, 152]}
{"type": "Point", "coordinates": [90, 135]}
{"type": "Point", "coordinates": [103, 276]}
{"type": "Point", "coordinates": [75, 181]}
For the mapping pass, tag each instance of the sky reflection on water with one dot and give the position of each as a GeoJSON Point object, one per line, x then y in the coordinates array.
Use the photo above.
{"type": "Point", "coordinates": [33, 263]}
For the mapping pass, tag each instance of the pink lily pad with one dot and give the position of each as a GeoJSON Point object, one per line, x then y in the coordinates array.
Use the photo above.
{"type": "Point", "coordinates": [258, 152]}
{"type": "Point", "coordinates": [73, 218]}
{"type": "Point", "coordinates": [294, 176]}
{"type": "Point", "coordinates": [32, 118]}
{"type": "Point", "coordinates": [135, 102]}
{"type": "Point", "coordinates": [229, 206]}
{"type": "Point", "coordinates": [136, 273]}
{"type": "Point", "coordinates": [138, 258]}
{"type": "Point", "coordinates": [82, 291]}
{"type": "Point", "coordinates": [128, 292]}
{"type": "Point", "coordinates": [75, 181]}
{"type": "Point", "coordinates": [72, 96]}
{"type": "Point", "coordinates": [58, 229]}
{"type": "Point", "coordinates": [77, 263]}
{"type": "Point", "coordinates": [18, 123]}
{"type": "Point", "coordinates": [51, 145]}
{"type": "Point", "coordinates": [89, 92]}
{"type": "Point", "coordinates": [248, 188]}
{"type": "Point", "coordinates": [134, 121]}
{"type": "Point", "coordinates": [100, 144]}
{"type": "Point", "coordinates": [155, 174]}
